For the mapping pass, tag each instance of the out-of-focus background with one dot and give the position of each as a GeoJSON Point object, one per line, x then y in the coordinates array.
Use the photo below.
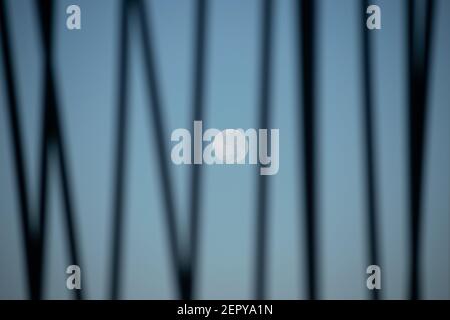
{"type": "Point", "coordinates": [86, 69]}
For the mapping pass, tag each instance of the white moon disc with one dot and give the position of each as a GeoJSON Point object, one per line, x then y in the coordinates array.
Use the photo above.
{"type": "Point", "coordinates": [230, 144]}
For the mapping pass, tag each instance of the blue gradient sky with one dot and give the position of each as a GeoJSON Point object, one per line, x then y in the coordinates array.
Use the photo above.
{"type": "Point", "coordinates": [86, 72]}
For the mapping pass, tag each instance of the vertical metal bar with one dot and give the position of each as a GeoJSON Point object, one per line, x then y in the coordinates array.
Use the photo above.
{"type": "Point", "coordinates": [369, 139]}
{"type": "Point", "coordinates": [418, 56]}
{"type": "Point", "coordinates": [45, 149]}
{"type": "Point", "coordinates": [120, 154]}
{"type": "Point", "coordinates": [69, 205]}
{"type": "Point", "coordinates": [55, 139]}
{"type": "Point", "coordinates": [198, 101]}
{"type": "Point", "coordinates": [262, 183]}
{"type": "Point", "coordinates": [180, 269]}
{"type": "Point", "coordinates": [306, 10]}
{"type": "Point", "coordinates": [12, 110]}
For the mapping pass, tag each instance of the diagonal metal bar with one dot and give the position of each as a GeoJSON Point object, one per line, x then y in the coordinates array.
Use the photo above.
{"type": "Point", "coordinates": [418, 57]}
{"type": "Point", "coordinates": [120, 154]}
{"type": "Point", "coordinates": [369, 140]}
{"type": "Point", "coordinates": [45, 149]}
{"type": "Point", "coordinates": [198, 101]}
{"type": "Point", "coordinates": [306, 10]}
{"type": "Point", "coordinates": [262, 199]}
{"type": "Point", "coordinates": [53, 139]}
{"type": "Point", "coordinates": [29, 238]}
{"type": "Point", "coordinates": [180, 267]}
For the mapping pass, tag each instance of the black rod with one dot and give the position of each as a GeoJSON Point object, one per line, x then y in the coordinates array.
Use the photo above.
{"type": "Point", "coordinates": [12, 110]}
{"type": "Point", "coordinates": [198, 101]}
{"type": "Point", "coordinates": [54, 137]}
{"type": "Point", "coordinates": [369, 140]}
{"type": "Point", "coordinates": [418, 57]}
{"type": "Point", "coordinates": [120, 154]}
{"type": "Point", "coordinates": [45, 148]}
{"type": "Point", "coordinates": [68, 203]}
{"type": "Point", "coordinates": [306, 10]}
{"type": "Point", "coordinates": [262, 199]}
{"type": "Point", "coordinates": [47, 129]}
{"type": "Point", "coordinates": [180, 268]}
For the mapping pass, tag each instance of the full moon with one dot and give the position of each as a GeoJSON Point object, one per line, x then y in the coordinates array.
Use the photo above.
{"type": "Point", "coordinates": [226, 146]}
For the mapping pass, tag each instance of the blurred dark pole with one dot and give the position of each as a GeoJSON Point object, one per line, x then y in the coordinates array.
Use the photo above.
{"type": "Point", "coordinates": [120, 154]}
{"type": "Point", "coordinates": [53, 139]}
{"type": "Point", "coordinates": [262, 183]}
{"type": "Point", "coordinates": [369, 139]}
{"type": "Point", "coordinates": [47, 135]}
{"type": "Point", "coordinates": [198, 101]}
{"type": "Point", "coordinates": [418, 57]}
{"type": "Point", "coordinates": [306, 11]}
{"type": "Point", "coordinates": [29, 238]}
{"type": "Point", "coordinates": [156, 115]}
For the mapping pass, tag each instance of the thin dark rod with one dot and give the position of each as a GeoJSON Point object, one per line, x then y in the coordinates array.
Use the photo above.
{"type": "Point", "coordinates": [68, 203]}
{"type": "Point", "coordinates": [369, 141]}
{"type": "Point", "coordinates": [120, 154]}
{"type": "Point", "coordinates": [18, 154]}
{"type": "Point", "coordinates": [198, 101]}
{"type": "Point", "coordinates": [47, 134]}
{"type": "Point", "coordinates": [418, 57]}
{"type": "Point", "coordinates": [262, 199]}
{"type": "Point", "coordinates": [55, 139]}
{"type": "Point", "coordinates": [45, 148]}
{"type": "Point", "coordinates": [181, 273]}
{"type": "Point", "coordinates": [306, 32]}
